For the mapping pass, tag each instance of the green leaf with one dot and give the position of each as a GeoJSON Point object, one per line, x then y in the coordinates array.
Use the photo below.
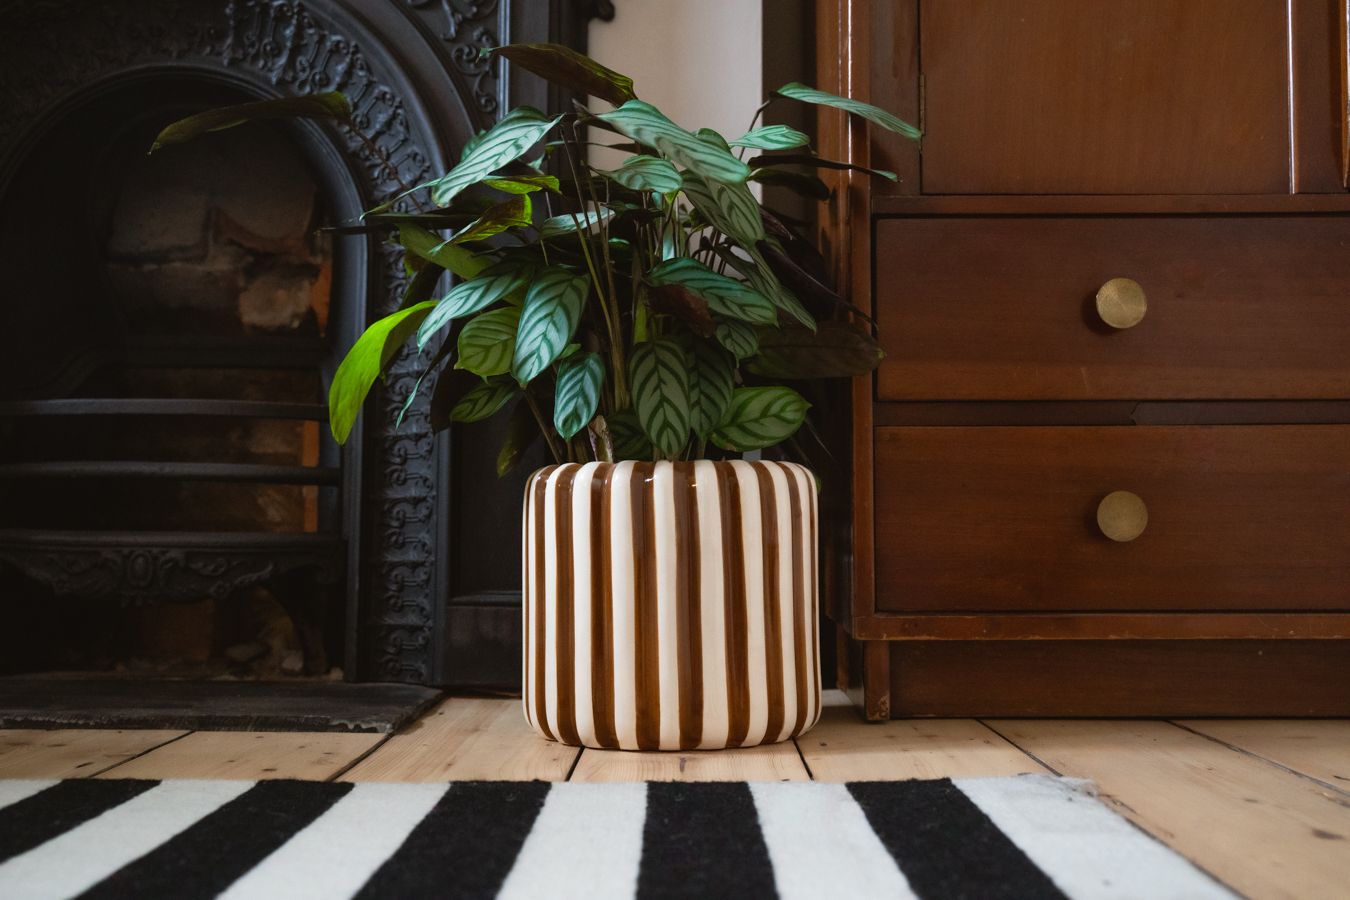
{"type": "Point", "coordinates": [523, 184]}
{"type": "Point", "coordinates": [483, 400]}
{"type": "Point", "coordinates": [487, 342]}
{"type": "Point", "coordinates": [364, 363]}
{"type": "Point", "coordinates": [756, 271]}
{"type": "Point", "coordinates": [330, 105]}
{"type": "Point", "coordinates": [678, 301]}
{"type": "Point", "coordinates": [874, 114]}
{"type": "Point", "coordinates": [809, 186]}
{"type": "Point", "coordinates": [630, 442]}
{"type": "Point", "coordinates": [552, 309]}
{"type": "Point", "coordinates": [738, 338]}
{"type": "Point", "coordinates": [660, 383]}
{"type": "Point", "coordinates": [565, 66]}
{"type": "Point", "coordinates": [522, 432]}
{"type": "Point", "coordinates": [835, 350]}
{"type": "Point", "coordinates": [730, 208]}
{"type": "Point", "coordinates": [646, 173]}
{"type": "Point", "coordinates": [578, 395]}
{"type": "Point", "coordinates": [507, 141]}
{"type": "Point", "coordinates": [711, 374]}
{"type": "Point", "coordinates": [513, 213]}
{"type": "Point", "coordinates": [645, 124]}
{"type": "Point", "coordinates": [724, 295]}
{"type": "Point", "coordinates": [772, 137]}
{"type": "Point", "coordinates": [433, 248]}
{"type": "Point", "coordinates": [816, 162]}
{"type": "Point", "coordinates": [760, 417]}
{"type": "Point", "coordinates": [558, 226]}
{"type": "Point", "coordinates": [469, 297]}
{"type": "Point", "coordinates": [420, 286]}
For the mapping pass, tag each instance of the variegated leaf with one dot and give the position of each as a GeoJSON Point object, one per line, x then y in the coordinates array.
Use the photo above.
{"type": "Point", "coordinates": [567, 223]}
{"type": "Point", "coordinates": [730, 208]}
{"type": "Point", "coordinates": [711, 374]}
{"type": "Point", "coordinates": [874, 114]}
{"type": "Point", "coordinates": [630, 441]}
{"type": "Point", "coordinates": [759, 417]}
{"type": "Point", "coordinates": [483, 400]}
{"type": "Point", "coordinates": [468, 297]}
{"type": "Point", "coordinates": [737, 337]}
{"type": "Point", "coordinates": [646, 173]}
{"type": "Point", "coordinates": [505, 142]}
{"type": "Point", "coordinates": [659, 381]}
{"type": "Point", "coordinates": [772, 137]}
{"type": "Point", "coordinates": [646, 124]}
{"type": "Point", "coordinates": [515, 212]}
{"type": "Point", "coordinates": [488, 340]}
{"type": "Point", "coordinates": [724, 295]}
{"type": "Point", "coordinates": [577, 397]}
{"type": "Point", "coordinates": [552, 309]}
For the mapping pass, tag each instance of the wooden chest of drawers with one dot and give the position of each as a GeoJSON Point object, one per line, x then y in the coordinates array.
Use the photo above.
{"type": "Point", "coordinates": [1105, 466]}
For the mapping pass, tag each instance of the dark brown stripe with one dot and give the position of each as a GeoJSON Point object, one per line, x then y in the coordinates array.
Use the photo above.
{"type": "Point", "coordinates": [800, 654]}
{"type": "Point", "coordinates": [733, 600]}
{"type": "Point", "coordinates": [773, 601]}
{"type": "Point", "coordinates": [565, 639]}
{"type": "Point", "coordinates": [647, 660]}
{"type": "Point", "coordinates": [540, 608]}
{"type": "Point", "coordinates": [602, 611]}
{"type": "Point", "coordinates": [688, 614]}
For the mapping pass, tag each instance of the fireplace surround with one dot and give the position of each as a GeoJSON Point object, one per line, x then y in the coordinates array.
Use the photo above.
{"type": "Point", "coordinates": [419, 88]}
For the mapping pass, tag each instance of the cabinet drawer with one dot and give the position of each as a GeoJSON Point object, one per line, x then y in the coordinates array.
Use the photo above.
{"type": "Point", "coordinates": [1237, 307]}
{"type": "Point", "coordinates": [1006, 518]}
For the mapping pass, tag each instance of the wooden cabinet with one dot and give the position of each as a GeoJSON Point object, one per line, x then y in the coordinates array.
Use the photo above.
{"type": "Point", "coordinates": [1119, 263]}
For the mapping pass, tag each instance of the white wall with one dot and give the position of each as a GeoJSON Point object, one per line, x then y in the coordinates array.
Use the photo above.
{"type": "Point", "coordinates": [698, 61]}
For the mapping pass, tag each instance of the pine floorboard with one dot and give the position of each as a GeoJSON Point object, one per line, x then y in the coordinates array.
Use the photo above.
{"type": "Point", "coordinates": [1263, 805]}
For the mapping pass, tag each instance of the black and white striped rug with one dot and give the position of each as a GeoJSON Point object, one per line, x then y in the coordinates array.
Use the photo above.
{"type": "Point", "coordinates": [1023, 837]}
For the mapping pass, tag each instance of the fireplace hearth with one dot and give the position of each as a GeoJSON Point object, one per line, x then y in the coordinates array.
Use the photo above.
{"type": "Point", "coordinates": [170, 502]}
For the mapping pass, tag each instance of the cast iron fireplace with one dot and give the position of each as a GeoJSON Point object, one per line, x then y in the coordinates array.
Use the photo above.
{"type": "Point", "coordinates": [403, 531]}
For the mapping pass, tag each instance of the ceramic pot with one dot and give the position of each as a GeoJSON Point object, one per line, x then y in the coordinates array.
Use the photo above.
{"type": "Point", "coordinates": [671, 606]}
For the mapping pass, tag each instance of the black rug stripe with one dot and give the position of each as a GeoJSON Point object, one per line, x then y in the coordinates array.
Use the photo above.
{"type": "Point", "coordinates": [465, 846]}
{"type": "Point", "coordinates": [703, 840]}
{"type": "Point", "coordinates": [37, 819]}
{"type": "Point", "coordinates": [208, 856]}
{"type": "Point", "coordinates": [945, 844]}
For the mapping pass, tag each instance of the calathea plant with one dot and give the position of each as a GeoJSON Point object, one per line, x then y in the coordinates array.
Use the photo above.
{"type": "Point", "coordinates": [643, 311]}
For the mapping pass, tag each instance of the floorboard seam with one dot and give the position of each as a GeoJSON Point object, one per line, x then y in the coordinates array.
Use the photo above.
{"type": "Point", "coordinates": [1265, 759]}
{"type": "Point", "coordinates": [362, 756]}
{"type": "Point", "coordinates": [123, 762]}
{"type": "Point", "coordinates": [802, 756]}
{"type": "Point", "coordinates": [1023, 750]}
{"type": "Point", "coordinates": [576, 760]}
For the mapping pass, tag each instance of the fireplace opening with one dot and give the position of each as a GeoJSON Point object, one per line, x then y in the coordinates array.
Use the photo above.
{"type": "Point", "coordinates": [170, 500]}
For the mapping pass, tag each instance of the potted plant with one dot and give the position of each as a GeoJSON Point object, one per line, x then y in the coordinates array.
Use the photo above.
{"type": "Point", "coordinates": [638, 320]}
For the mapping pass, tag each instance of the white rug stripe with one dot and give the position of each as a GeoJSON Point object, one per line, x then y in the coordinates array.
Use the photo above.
{"type": "Point", "coordinates": [1087, 851]}
{"type": "Point", "coordinates": [586, 844]}
{"type": "Point", "coordinates": [12, 792]}
{"type": "Point", "coordinates": [821, 844]}
{"type": "Point", "coordinates": [339, 851]}
{"type": "Point", "coordinates": [88, 853]}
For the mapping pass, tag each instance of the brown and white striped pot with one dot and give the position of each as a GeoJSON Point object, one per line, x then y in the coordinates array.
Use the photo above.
{"type": "Point", "coordinates": [671, 606]}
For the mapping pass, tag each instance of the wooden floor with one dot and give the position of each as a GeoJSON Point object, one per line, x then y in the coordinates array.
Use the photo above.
{"type": "Point", "coordinates": [1262, 805]}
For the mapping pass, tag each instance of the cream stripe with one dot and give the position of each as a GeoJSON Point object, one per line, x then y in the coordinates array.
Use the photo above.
{"type": "Point", "coordinates": [85, 855]}
{"type": "Point", "coordinates": [806, 486]}
{"type": "Point", "coordinates": [668, 552]}
{"type": "Point", "coordinates": [550, 604]}
{"type": "Point", "coordinates": [586, 844]}
{"type": "Point", "coordinates": [625, 625]}
{"type": "Point", "coordinates": [752, 536]}
{"type": "Point", "coordinates": [339, 851]}
{"type": "Point", "coordinates": [1085, 849]}
{"type": "Point", "coordinates": [716, 719]}
{"type": "Point", "coordinates": [821, 845]}
{"type": "Point", "coordinates": [787, 619]}
{"type": "Point", "coordinates": [582, 593]}
{"type": "Point", "coordinates": [529, 602]}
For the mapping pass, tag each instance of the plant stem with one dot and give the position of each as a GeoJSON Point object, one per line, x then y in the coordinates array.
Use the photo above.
{"type": "Point", "coordinates": [543, 427]}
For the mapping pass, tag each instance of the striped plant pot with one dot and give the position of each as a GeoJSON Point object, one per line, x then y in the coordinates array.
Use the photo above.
{"type": "Point", "coordinates": [671, 606]}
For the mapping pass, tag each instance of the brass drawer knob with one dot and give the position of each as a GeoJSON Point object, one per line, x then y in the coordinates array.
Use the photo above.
{"type": "Point", "coordinates": [1122, 516]}
{"type": "Point", "coordinates": [1121, 303]}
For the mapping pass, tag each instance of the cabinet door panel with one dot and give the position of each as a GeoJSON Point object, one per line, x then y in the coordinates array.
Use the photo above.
{"type": "Point", "coordinates": [1106, 96]}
